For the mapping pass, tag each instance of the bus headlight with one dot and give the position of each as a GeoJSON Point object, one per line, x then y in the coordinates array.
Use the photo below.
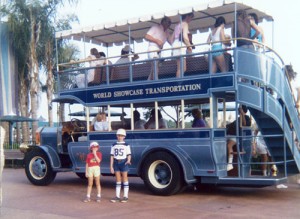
{"type": "Point", "coordinates": [24, 147]}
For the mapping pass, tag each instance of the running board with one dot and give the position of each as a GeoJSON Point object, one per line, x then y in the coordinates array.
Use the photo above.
{"type": "Point", "coordinates": [245, 182]}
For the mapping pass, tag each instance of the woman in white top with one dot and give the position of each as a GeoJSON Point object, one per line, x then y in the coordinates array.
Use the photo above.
{"type": "Point", "coordinates": [181, 38]}
{"type": "Point", "coordinates": [217, 35]}
{"type": "Point", "coordinates": [93, 60]}
{"type": "Point", "coordinates": [101, 124]}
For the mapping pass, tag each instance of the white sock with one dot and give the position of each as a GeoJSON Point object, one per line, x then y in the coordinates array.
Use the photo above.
{"type": "Point", "coordinates": [126, 189]}
{"type": "Point", "coordinates": [265, 172]}
{"type": "Point", "coordinates": [118, 189]}
{"type": "Point", "coordinates": [230, 159]}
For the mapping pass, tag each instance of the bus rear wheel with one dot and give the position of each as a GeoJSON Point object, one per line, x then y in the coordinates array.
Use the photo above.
{"type": "Point", "coordinates": [162, 174]}
{"type": "Point", "coordinates": [38, 168]}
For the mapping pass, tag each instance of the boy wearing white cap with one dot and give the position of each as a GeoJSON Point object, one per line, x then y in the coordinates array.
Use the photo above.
{"type": "Point", "coordinates": [120, 158]}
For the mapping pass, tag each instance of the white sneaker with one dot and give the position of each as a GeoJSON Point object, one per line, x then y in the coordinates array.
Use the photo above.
{"type": "Point", "coordinates": [298, 181]}
{"type": "Point", "coordinates": [281, 186]}
{"type": "Point", "coordinates": [229, 167]}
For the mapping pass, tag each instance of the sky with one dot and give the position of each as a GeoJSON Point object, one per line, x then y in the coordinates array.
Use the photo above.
{"type": "Point", "coordinates": [286, 16]}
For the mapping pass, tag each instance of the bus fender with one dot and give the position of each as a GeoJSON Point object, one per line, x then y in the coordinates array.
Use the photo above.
{"type": "Point", "coordinates": [51, 154]}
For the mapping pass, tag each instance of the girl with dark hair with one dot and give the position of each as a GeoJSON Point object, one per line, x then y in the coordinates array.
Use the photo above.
{"type": "Point", "coordinates": [215, 37]}
{"type": "Point", "coordinates": [260, 37]}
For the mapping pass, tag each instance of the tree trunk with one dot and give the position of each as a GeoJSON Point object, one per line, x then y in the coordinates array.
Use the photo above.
{"type": "Point", "coordinates": [50, 82]}
{"type": "Point", "coordinates": [23, 107]}
{"type": "Point", "coordinates": [34, 73]}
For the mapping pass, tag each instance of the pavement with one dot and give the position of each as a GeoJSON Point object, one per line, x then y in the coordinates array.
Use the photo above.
{"type": "Point", "coordinates": [63, 199]}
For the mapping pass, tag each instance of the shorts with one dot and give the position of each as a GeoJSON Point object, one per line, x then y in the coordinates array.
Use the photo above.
{"type": "Point", "coordinates": [262, 149]}
{"type": "Point", "coordinates": [152, 55]}
{"type": "Point", "coordinates": [94, 171]}
{"type": "Point", "coordinates": [217, 46]}
{"type": "Point", "coordinates": [232, 138]}
{"type": "Point", "coordinates": [120, 166]}
{"type": "Point", "coordinates": [179, 51]}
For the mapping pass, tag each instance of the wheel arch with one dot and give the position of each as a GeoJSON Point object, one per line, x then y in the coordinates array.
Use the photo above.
{"type": "Point", "coordinates": [50, 153]}
{"type": "Point", "coordinates": [185, 165]}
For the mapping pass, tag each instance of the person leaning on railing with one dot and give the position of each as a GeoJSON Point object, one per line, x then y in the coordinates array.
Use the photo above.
{"type": "Point", "coordinates": [157, 36]}
{"type": "Point", "coordinates": [243, 30]}
{"type": "Point", "coordinates": [217, 34]}
{"type": "Point", "coordinates": [181, 39]}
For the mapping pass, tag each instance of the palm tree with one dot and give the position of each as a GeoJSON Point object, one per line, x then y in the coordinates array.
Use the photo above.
{"type": "Point", "coordinates": [31, 28]}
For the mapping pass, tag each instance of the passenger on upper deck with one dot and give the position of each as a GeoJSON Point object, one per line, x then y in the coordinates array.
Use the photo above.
{"type": "Point", "coordinates": [138, 122]}
{"type": "Point", "coordinates": [244, 30]}
{"type": "Point", "coordinates": [101, 124]}
{"type": "Point", "coordinates": [261, 37]}
{"type": "Point", "coordinates": [157, 35]}
{"type": "Point", "coordinates": [125, 53]}
{"type": "Point", "coordinates": [198, 121]}
{"type": "Point", "coordinates": [215, 37]}
{"type": "Point", "coordinates": [243, 120]}
{"type": "Point", "coordinates": [104, 61]}
{"type": "Point", "coordinates": [150, 124]}
{"type": "Point", "coordinates": [93, 62]}
{"type": "Point", "coordinates": [181, 38]}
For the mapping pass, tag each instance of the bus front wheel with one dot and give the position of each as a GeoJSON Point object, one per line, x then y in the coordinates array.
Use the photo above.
{"type": "Point", "coordinates": [38, 168]}
{"type": "Point", "coordinates": [162, 174]}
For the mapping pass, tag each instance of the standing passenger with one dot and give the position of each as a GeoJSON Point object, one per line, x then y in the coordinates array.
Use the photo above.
{"type": "Point", "coordinates": [244, 30]}
{"type": "Point", "coordinates": [181, 38]}
{"type": "Point", "coordinates": [120, 158]}
{"type": "Point", "coordinates": [243, 120]}
{"type": "Point", "coordinates": [215, 37]}
{"type": "Point", "coordinates": [261, 37]}
{"type": "Point", "coordinates": [157, 35]}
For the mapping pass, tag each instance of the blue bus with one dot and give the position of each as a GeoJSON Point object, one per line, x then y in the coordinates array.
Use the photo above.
{"type": "Point", "coordinates": [169, 158]}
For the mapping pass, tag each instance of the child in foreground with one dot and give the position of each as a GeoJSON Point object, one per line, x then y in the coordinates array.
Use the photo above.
{"type": "Point", "coordinates": [120, 158]}
{"type": "Point", "coordinates": [92, 171]}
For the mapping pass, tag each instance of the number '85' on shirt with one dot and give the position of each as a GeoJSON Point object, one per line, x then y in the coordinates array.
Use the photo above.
{"type": "Point", "coordinates": [120, 150]}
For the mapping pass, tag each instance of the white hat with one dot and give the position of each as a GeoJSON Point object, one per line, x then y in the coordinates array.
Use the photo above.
{"type": "Point", "coordinates": [127, 49]}
{"type": "Point", "coordinates": [121, 132]}
{"type": "Point", "coordinates": [94, 144]}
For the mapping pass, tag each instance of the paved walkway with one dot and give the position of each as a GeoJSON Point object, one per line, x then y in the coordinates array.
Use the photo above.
{"type": "Point", "coordinates": [63, 199]}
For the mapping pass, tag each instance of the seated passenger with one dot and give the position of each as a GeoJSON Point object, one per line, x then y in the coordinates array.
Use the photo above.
{"type": "Point", "coordinates": [125, 53]}
{"type": "Point", "coordinates": [150, 124]}
{"type": "Point", "coordinates": [101, 124]}
{"type": "Point", "coordinates": [231, 132]}
{"type": "Point", "coordinates": [93, 62]}
{"type": "Point", "coordinates": [104, 61]}
{"type": "Point", "coordinates": [198, 121]}
{"type": "Point", "coordinates": [138, 122]}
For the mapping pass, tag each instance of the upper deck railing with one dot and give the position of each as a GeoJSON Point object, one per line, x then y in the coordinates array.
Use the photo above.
{"type": "Point", "coordinates": [198, 64]}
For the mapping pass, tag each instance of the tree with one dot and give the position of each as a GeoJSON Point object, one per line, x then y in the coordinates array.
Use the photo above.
{"type": "Point", "coordinates": [31, 28]}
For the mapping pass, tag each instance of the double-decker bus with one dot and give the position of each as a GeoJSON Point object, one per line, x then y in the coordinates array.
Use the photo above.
{"type": "Point", "coordinates": [171, 157]}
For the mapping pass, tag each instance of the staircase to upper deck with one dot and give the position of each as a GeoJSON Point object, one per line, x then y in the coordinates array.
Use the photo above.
{"type": "Point", "coordinates": [274, 112]}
